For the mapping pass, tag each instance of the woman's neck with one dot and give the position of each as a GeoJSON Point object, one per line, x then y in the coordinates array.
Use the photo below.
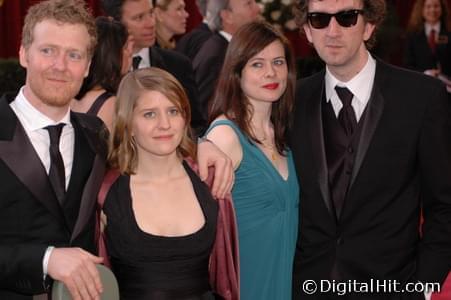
{"type": "Point", "coordinates": [261, 120]}
{"type": "Point", "coordinates": [159, 168]}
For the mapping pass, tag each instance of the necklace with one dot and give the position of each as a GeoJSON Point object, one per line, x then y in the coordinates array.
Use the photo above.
{"type": "Point", "coordinates": [271, 149]}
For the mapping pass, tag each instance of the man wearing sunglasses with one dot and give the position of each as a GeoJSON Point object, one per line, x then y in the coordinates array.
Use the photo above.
{"type": "Point", "coordinates": [372, 150]}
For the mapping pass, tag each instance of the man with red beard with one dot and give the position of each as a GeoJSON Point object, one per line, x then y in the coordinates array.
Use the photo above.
{"type": "Point", "coordinates": [51, 160]}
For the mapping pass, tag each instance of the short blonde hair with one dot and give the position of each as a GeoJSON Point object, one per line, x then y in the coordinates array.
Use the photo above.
{"type": "Point", "coordinates": [62, 11]}
{"type": "Point", "coordinates": [123, 154]}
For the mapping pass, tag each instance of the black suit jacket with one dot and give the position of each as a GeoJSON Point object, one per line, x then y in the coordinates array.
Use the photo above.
{"type": "Point", "coordinates": [191, 42]}
{"type": "Point", "coordinates": [31, 218]}
{"type": "Point", "coordinates": [207, 66]}
{"type": "Point", "coordinates": [402, 164]}
{"type": "Point", "coordinates": [419, 57]}
{"type": "Point", "coordinates": [180, 67]}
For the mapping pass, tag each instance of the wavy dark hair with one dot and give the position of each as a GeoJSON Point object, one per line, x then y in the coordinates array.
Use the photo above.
{"type": "Point", "coordinates": [416, 20]}
{"type": "Point", "coordinates": [106, 64]}
{"type": "Point", "coordinates": [373, 13]}
{"type": "Point", "coordinates": [229, 98]}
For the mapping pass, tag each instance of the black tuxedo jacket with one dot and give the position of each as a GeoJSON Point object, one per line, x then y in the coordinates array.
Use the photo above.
{"type": "Point", "coordinates": [419, 57]}
{"type": "Point", "coordinates": [191, 42]}
{"type": "Point", "coordinates": [402, 165]}
{"type": "Point", "coordinates": [31, 217]}
{"type": "Point", "coordinates": [180, 67]}
{"type": "Point", "coordinates": [207, 66]}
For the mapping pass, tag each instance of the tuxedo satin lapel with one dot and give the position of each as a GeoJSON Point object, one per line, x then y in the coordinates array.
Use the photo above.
{"type": "Point", "coordinates": [21, 158]}
{"type": "Point", "coordinates": [315, 122]}
{"type": "Point", "coordinates": [373, 112]}
{"type": "Point", "coordinates": [91, 188]}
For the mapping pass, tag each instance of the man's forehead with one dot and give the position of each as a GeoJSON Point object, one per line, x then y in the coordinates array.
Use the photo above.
{"type": "Point", "coordinates": [54, 31]}
{"type": "Point", "coordinates": [332, 5]}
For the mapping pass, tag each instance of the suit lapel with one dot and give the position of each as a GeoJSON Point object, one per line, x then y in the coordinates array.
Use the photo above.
{"type": "Point", "coordinates": [373, 113]}
{"type": "Point", "coordinates": [155, 58]}
{"type": "Point", "coordinates": [91, 187]}
{"type": "Point", "coordinates": [19, 155]}
{"type": "Point", "coordinates": [315, 121]}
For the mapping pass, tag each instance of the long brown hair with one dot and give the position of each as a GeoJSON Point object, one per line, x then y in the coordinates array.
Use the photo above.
{"type": "Point", "coordinates": [229, 98]}
{"type": "Point", "coordinates": [416, 20]}
{"type": "Point", "coordinates": [123, 154]}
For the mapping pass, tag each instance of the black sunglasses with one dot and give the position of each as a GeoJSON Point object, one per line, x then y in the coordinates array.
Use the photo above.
{"type": "Point", "coordinates": [345, 18]}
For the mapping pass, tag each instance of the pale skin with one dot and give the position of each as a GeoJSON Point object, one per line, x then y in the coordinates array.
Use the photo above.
{"type": "Point", "coordinates": [266, 69]}
{"type": "Point", "coordinates": [341, 48]}
{"type": "Point", "coordinates": [172, 21]}
{"type": "Point", "coordinates": [163, 199]}
{"type": "Point", "coordinates": [56, 67]}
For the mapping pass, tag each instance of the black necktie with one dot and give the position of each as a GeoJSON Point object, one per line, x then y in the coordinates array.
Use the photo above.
{"type": "Point", "coordinates": [136, 61]}
{"type": "Point", "coordinates": [56, 174]}
{"type": "Point", "coordinates": [346, 116]}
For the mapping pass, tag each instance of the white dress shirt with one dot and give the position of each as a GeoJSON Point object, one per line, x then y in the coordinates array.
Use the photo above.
{"type": "Point", "coordinates": [145, 58]}
{"type": "Point", "coordinates": [226, 35]}
{"type": "Point", "coordinates": [360, 86]}
{"type": "Point", "coordinates": [33, 121]}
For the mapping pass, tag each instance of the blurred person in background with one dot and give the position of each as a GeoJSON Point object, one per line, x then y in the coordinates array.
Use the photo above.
{"type": "Point", "coordinates": [171, 21]}
{"type": "Point", "coordinates": [111, 61]}
{"type": "Point", "coordinates": [428, 47]}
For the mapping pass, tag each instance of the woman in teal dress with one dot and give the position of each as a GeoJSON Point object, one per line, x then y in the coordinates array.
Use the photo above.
{"type": "Point", "coordinates": [249, 120]}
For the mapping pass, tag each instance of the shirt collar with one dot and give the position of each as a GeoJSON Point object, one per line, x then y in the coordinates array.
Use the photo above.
{"type": "Point", "coordinates": [226, 35]}
{"type": "Point", "coordinates": [145, 57]}
{"type": "Point", "coordinates": [358, 85]}
{"type": "Point", "coordinates": [428, 27]}
{"type": "Point", "coordinates": [31, 118]}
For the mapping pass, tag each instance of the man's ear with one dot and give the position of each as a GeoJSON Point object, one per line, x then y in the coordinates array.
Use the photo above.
{"type": "Point", "coordinates": [369, 29]}
{"type": "Point", "coordinates": [23, 57]}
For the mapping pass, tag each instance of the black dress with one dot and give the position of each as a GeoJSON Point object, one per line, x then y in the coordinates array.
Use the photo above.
{"type": "Point", "coordinates": [156, 267]}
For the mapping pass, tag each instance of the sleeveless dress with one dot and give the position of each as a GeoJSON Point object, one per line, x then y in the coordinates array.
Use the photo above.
{"type": "Point", "coordinates": [267, 211]}
{"type": "Point", "coordinates": [156, 267]}
{"type": "Point", "coordinates": [98, 103]}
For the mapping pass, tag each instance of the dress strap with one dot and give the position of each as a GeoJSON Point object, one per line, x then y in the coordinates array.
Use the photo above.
{"type": "Point", "coordinates": [98, 103]}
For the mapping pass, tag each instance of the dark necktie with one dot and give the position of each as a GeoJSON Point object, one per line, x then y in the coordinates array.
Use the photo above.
{"type": "Point", "coordinates": [56, 174]}
{"type": "Point", "coordinates": [136, 61]}
{"type": "Point", "coordinates": [431, 41]}
{"type": "Point", "coordinates": [346, 116]}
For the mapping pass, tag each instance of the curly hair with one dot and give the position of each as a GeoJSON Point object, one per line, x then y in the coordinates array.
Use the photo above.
{"type": "Point", "coordinates": [416, 20]}
{"type": "Point", "coordinates": [123, 154]}
{"type": "Point", "coordinates": [229, 98]}
{"type": "Point", "coordinates": [373, 12]}
{"type": "Point", "coordinates": [64, 11]}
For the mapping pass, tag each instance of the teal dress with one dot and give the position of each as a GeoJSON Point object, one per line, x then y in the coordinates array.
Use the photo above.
{"type": "Point", "coordinates": [267, 211]}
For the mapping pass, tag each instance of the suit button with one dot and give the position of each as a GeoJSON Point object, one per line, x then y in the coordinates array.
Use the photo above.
{"type": "Point", "coordinates": [348, 172]}
{"type": "Point", "coordinates": [350, 150]}
{"type": "Point", "coordinates": [340, 241]}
